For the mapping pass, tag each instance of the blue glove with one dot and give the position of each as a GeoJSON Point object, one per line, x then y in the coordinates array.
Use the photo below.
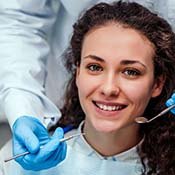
{"type": "Point", "coordinates": [46, 151]}
{"type": "Point", "coordinates": [170, 102]}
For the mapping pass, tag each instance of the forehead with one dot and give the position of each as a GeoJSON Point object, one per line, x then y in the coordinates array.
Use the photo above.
{"type": "Point", "coordinates": [116, 40]}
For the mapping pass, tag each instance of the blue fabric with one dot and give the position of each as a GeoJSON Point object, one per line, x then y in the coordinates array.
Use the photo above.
{"type": "Point", "coordinates": [68, 128]}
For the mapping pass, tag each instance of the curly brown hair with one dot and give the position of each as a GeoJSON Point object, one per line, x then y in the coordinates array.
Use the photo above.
{"type": "Point", "coordinates": [158, 147]}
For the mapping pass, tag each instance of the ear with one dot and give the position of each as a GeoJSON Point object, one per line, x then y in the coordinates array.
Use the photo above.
{"type": "Point", "coordinates": [158, 86]}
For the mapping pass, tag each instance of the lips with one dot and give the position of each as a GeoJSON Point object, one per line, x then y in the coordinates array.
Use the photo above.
{"type": "Point", "coordinates": [109, 106]}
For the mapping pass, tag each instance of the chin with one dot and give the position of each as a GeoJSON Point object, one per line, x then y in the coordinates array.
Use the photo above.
{"type": "Point", "coordinates": [106, 127]}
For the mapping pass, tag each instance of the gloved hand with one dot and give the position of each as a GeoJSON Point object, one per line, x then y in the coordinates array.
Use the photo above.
{"type": "Point", "coordinates": [170, 102]}
{"type": "Point", "coordinates": [29, 135]}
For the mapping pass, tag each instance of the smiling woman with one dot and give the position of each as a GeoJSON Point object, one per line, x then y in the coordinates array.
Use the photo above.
{"type": "Point", "coordinates": [111, 99]}
{"type": "Point", "coordinates": [122, 66]}
{"type": "Point", "coordinates": [125, 66]}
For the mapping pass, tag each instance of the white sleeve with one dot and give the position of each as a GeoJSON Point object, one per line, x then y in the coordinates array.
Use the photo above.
{"type": "Point", "coordinates": [25, 26]}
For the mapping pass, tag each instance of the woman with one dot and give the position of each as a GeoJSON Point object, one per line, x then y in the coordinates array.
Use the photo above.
{"type": "Point", "coordinates": [122, 64]}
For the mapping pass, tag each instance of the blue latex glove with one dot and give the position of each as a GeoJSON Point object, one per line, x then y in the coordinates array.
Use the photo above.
{"type": "Point", "coordinates": [29, 135]}
{"type": "Point", "coordinates": [170, 102]}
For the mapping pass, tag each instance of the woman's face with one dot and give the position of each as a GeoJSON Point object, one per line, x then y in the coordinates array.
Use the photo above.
{"type": "Point", "coordinates": [115, 79]}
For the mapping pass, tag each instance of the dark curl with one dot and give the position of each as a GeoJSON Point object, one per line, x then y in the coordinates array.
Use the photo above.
{"type": "Point", "coordinates": [158, 148]}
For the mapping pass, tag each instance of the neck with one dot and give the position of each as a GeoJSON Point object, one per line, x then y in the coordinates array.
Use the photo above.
{"type": "Point", "coordinates": [109, 144]}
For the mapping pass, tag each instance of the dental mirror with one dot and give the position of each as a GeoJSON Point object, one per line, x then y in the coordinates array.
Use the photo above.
{"type": "Point", "coordinates": [142, 120]}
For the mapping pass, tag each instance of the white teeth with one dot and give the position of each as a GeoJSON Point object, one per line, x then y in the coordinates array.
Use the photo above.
{"type": "Point", "coordinates": [108, 108]}
{"type": "Point", "coordinates": [118, 107]}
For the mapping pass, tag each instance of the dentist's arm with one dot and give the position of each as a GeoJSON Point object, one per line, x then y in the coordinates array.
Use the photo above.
{"type": "Point", "coordinates": [25, 26]}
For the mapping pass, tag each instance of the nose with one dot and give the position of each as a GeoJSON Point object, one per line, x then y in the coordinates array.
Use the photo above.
{"type": "Point", "coordinates": [110, 86]}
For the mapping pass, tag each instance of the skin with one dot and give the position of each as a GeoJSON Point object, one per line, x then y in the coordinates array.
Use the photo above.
{"type": "Point", "coordinates": [116, 69]}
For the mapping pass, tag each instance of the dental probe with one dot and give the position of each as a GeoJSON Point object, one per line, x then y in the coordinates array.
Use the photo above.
{"type": "Point", "coordinates": [27, 152]}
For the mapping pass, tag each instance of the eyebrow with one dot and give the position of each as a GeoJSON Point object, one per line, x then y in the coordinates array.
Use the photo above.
{"type": "Point", "coordinates": [97, 58]}
{"type": "Point", "coordinates": [123, 62]}
{"type": "Point", "coordinates": [126, 62]}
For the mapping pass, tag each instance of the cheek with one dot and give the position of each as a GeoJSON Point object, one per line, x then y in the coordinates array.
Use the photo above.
{"type": "Point", "coordinates": [85, 85]}
{"type": "Point", "coordinates": [139, 92]}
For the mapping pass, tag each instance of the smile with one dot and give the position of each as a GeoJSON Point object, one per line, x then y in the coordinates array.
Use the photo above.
{"type": "Point", "coordinates": [107, 107]}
